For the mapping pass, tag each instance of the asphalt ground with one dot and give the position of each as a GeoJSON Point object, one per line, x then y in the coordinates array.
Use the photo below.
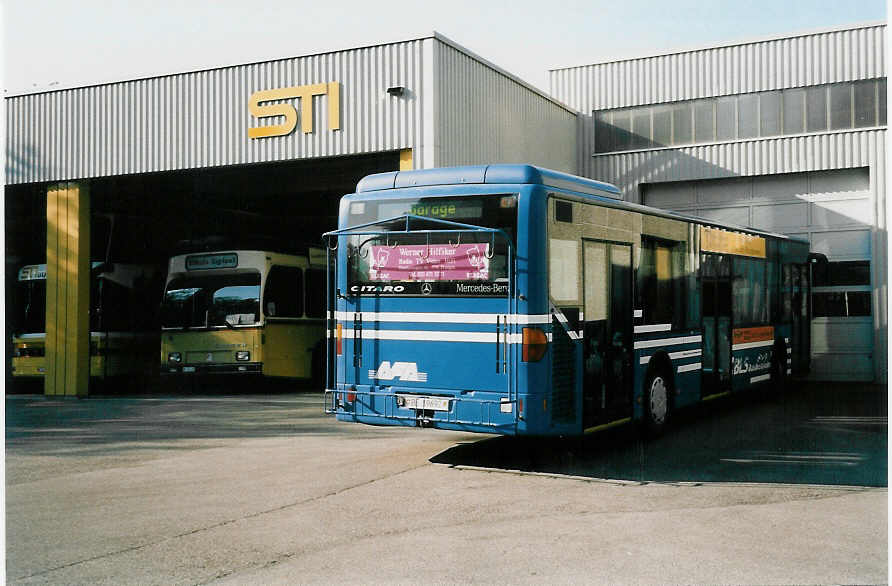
{"type": "Point", "coordinates": [249, 488]}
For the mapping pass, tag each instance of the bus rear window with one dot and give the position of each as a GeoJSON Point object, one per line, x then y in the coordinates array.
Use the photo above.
{"type": "Point", "coordinates": [427, 261]}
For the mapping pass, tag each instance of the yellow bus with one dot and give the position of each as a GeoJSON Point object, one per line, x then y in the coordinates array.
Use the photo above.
{"type": "Point", "coordinates": [244, 312]}
{"type": "Point", "coordinates": [123, 322]}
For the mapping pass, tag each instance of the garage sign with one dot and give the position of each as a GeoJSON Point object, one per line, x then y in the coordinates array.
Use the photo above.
{"type": "Point", "coordinates": [287, 100]}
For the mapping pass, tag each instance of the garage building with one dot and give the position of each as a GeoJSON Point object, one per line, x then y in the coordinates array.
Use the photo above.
{"type": "Point", "coordinates": [123, 171]}
{"type": "Point", "coordinates": [786, 134]}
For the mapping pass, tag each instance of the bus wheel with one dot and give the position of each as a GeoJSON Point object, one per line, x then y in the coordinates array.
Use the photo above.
{"type": "Point", "coordinates": [656, 403]}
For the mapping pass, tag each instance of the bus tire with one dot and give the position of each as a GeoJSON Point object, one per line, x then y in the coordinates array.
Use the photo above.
{"type": "Point", "coordinates": [657, 402]}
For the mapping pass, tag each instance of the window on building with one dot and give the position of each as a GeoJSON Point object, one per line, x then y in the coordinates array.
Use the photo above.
{"type": "Point", "coordinates": [704, 120]}
{"type": "Point", "coordinates": [662, 126]}
{"type": "Point", "coordinates": [865, 100]}
{"type": "Point", "coordinates": [603, 132]}
{"type": "Point", "coordinates": [769, 113]}
{"type": "Point", "coordinates": [622, 128]}
{"type": "Point", "coordinates": [726, 118]}
{"type": "Point", "coordinates": [640, 128]}
{"type": "Point", "coordinates": [816, 109]}
{"type": "Point", "coordinates": [794, 111]}
{"type": "Point", "coordinates": [840, 106]}
{"type": "Point", "coordinates": [774, 113]}
{"type": "Point", "coordinates": [284, 292]}
{"type": "Point", "coordinates": [682, 124]}
{"type": "Point", "coordinates": [747, 116]}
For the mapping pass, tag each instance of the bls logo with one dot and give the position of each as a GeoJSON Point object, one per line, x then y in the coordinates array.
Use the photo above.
{"type": "Point", "coordinates": [305, 94]}
{"type": "Point", "coordinates": [405, 371]}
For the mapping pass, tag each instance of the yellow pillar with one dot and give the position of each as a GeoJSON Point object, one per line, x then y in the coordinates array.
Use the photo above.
{"type": "Point", "coordinates": [67, 290]}
{"type": "Point", "coordinates": [406, 160]}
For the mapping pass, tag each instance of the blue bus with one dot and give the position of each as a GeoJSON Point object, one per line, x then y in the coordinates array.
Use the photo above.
{"type": "Point", "coordinates": [518, 300]}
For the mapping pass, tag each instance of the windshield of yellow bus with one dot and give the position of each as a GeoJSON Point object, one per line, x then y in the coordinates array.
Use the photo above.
{"type": "Point", "coordinates": [196, 301]}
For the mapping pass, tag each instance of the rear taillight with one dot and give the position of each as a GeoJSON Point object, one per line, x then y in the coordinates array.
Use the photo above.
{"type": "Point", "coordinates": [339, 337]}
{"type": "Point", "coordinates": [535, 342]}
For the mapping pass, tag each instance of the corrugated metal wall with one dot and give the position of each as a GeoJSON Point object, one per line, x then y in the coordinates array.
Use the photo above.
{"type": "Point", "coordinates": [809, 59]}
{"type": "Point", "coordinates": [812, 59]}
{"type": "Point", "coordinates": [841, 55]}
{"type": "Point", "coordinates": [200, 119]}
{"type": "Point", "coordinates": [486, 116]}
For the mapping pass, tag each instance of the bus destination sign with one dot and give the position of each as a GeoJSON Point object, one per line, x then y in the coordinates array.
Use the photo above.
{"type": "Point", "coordinates": [203, 262]}
{"type": "Point", "coordinates": [32, 273]}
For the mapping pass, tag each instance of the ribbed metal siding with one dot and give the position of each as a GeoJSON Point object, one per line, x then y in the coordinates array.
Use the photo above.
{"type": "Point", "coordinates": [485, 116]}
{"type": "Point", "coordinates": [815, 59]}
{"type": "Point", "coordinates": [201, 119]}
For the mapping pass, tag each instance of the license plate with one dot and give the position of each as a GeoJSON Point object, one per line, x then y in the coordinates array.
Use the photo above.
{"type": "Point", "coordinates": [427, 403]}
{"type": "Point", "coordinates": [188, 369]}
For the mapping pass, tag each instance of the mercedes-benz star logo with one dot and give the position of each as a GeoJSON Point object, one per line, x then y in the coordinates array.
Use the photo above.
{"type": "Point", "coordinates": [426, 289]}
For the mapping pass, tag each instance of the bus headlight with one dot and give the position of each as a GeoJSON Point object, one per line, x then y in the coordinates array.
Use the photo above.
{"type": "Point", "coordinates": [243, 356]}
{"type": "Point", "coordinates": [175, 357]}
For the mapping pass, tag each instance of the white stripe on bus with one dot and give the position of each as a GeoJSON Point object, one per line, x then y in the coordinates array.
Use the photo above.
{"type": "Point", "coordinates": [446, 318]}
{"type": "Point", "coordinates": [685, 354]}
{"type": "Point", "coordinates": [689, 367]}
{"type": "Point", "coordinates": [435, 336]}
{"type": "Point", "coordinates": [748, 345]}
{"type": "Point", "coordinates": [667, 342]}
{"type": "Point", "coordinates": [653, 328]}
{"type": "Point", "coordinates": [674, 355]}
{"type": "Point", "coordinates": [760, 378]}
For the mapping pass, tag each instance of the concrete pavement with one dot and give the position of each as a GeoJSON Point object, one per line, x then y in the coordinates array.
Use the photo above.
{"type": "Point", "coordinates": [266, 489]}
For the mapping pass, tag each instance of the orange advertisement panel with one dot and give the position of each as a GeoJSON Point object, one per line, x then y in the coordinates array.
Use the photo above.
{"type": "Point", "coordinates": [723, 241]}
{"type": "Point", "coordinates": [759, 334]}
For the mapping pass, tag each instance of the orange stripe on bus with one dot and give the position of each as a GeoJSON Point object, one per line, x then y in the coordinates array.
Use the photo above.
{"type": "Point", "coordinates": [746, 335]}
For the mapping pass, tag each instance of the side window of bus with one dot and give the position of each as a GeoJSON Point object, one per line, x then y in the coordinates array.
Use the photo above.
{"type": "Point", "coordinates": [661, 282]}
{"type": "Point", "coordinates": [315, 293]}
{"type": "Point", "coordinates": [786, 294]}
{"type": "Point", "coordinates": [750, 305]}
{"type": "Point", "coordinates": [284, 292]}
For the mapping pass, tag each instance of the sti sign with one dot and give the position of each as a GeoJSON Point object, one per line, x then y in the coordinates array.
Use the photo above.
{"type": "Point", "coordinates": [303, 96]}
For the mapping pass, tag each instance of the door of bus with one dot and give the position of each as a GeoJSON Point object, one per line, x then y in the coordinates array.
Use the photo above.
{"type": "Point", "coordinates": [607, 332]}
{"type": "Point", "coordinates": [715, 274]}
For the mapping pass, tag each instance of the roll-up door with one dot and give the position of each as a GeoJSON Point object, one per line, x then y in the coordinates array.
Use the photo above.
{"type": "Point", "coordinates": [834, 210]}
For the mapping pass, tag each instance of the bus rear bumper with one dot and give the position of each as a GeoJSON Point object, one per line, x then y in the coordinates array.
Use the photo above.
{"type": "Point", "coordinates": [483, 413]}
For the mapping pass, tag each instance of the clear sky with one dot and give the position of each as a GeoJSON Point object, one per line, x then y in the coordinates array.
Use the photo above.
{"type": "Point", "coordinates": [50, 44]}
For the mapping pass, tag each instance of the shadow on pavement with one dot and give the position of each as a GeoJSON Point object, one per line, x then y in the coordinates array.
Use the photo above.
{"type": "Point", "coordinates": [68, 425]}
{"type": "Point", "coordinates": [827, 433]}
